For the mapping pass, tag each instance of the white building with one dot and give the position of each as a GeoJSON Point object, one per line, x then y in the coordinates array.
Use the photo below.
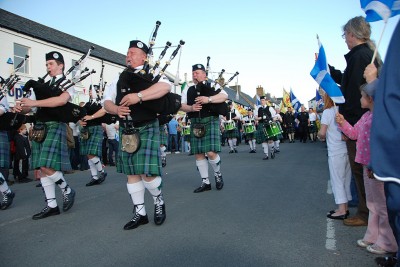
{"type": "Point", "coordinates": [20, 36]}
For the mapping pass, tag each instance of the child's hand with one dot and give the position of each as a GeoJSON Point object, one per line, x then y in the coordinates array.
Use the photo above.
{"type": "Point", "coordinates": [339, 118]}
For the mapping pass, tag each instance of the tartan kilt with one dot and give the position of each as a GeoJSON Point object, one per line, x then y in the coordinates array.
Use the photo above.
{"type": "Point", "coordinates": [163, 135]}
{"type": "Point", "coordinates": [232, 133]}
{"type": "Point", "coordinates": [4, 150]}
{"type": "Point", "coordinates": [290, 128]}
{"type": "Point", "coordinates": [53, 151]}
{"type": "Point", "coordinates": [211, 141]}
{"type": "Point", "coordinates": [250, 136]}
{"type": "Point", "coordinates": [147, 159]}
{"type": "Point", "coordinates": [93, 145]}
{"type": "Point", "coordinates": [260, 135]}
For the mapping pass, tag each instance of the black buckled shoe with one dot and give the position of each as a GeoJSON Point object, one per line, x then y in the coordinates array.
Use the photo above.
{"type": "Point", "coordinates": [219, 182]}
{"type": "Point", "coordinates": [202, 188]}
{"type": "Point", "coordinates": [231, 151]}
{"type": "Point", "coordinates": [136, 221]}
{"type": "Point", "coordinates": [388, 261]}
{"type": "Point", "coordinates": [46, 212]}
{"type": "Point", "coordinates": [7, 200]}
{"type": "Point", "coordinates": [92, 182]}
{"type": "Point", "coordinates": [159, 214]}
{"type": "Point", "coordinates": [102, 177]}
{"type": "Point", "coordinates": [265, 158]}
{"type": "Point", "coordinates": [69, 200]}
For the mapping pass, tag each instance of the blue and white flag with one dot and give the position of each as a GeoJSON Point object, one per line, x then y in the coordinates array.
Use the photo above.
{"type": "Point", "coordinates": [318, 100]}
{"type": "Point", "coordinates": [321, 75]}
{"type": "Point", "coordinates": [294, 101]}
{"type": "Point", "coordinates": [380, 9]}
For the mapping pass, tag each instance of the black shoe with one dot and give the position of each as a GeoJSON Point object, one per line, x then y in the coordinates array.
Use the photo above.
{"type": "Point", "coordinates": [24, 180]}
{"type": "Point", "coordinates": [46, 212]}
{"type": "Point", "coordinates": [277, 151]}
{"type": "Point", "coordinates": [7, 200]}
{"type": "Point", "coordinates": [102, 177]}
{"type": "Point", "coordinates": [163, 161]}
{"type": "Point", "coordinates": [235, 150]}
{"type": "Point", "coordinates": [202, 188]}
{"type": "Point", "coordinates": [333, 211]}
{"type": "Point", "coordinates": [265, 158]}
{"type": "Point", "coordinates": [253, 151]}
{"type": "Point", "coordinates": [38, 185]}
{"type": "Point", "coordinates": [339, 217]}
{"type": "Point", "coordinates": [136, 221]}
{"type": "Point", "coordinates": [159, 214]}
{"type": "Point", "coordinates": [69, 200]}
{"type": "Point", "coordinates": [231, 151]}
{"type": "Point", "coordinates": [219, 182]}
{"type": "Point", "coordinates": [386, 261]}
{"type": "Point", "coordinates": [93, 182]}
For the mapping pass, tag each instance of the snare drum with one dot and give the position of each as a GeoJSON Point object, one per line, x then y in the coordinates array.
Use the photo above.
{"type": "Point", "coordinates": [271, 130]}
{"type": "Point", "coordinates": [186, 130]}
{"type": "Point", "coordinates": [249, 128]}
{"type": "Point", "coordinates": [230, 125]}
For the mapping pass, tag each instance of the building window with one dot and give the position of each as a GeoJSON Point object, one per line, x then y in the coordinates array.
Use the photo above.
{"type": "Point", "coordinates": [20, 52]}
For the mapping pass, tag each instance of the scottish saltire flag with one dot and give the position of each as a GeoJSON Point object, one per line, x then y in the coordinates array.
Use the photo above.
{"type": "Point", "coordinates": [318, 100]}
{"type": "Point", "coordinates": [294, 101]}
{"type": "Point", "coordinates": [321, 75]}
{"type": "Point", "coordinates": [258, 101]}
{"type": "Point", "coordinates": [380, 9]}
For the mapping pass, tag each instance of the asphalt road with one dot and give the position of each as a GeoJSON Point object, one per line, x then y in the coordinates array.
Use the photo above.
{"type": "Point", "coordinates": [269, 213]}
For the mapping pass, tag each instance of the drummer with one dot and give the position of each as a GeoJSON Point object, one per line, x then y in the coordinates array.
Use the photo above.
{"type": "Point", "coordinates": [249, 128]}
{"type": "Point", "coordinates": [264, 118]}
{"type": "Point", "coordinates": [232, 134]}
{"type": "Point", "coordinates": [278, 119]}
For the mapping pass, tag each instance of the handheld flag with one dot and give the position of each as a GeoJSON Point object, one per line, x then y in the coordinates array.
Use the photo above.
{"type": "Point", "coordinates": [380, 9]}
{"type": "Point", "coordinates": [318, 100]}
{"type": "Point", "coordinates": [286, 98]}
{"type": "Point", "coordinates": [321, 75]}
{"type": "Point", "coordinates": [294, 101]}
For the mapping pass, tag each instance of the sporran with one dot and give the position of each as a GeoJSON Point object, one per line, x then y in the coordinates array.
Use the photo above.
{"type": "Point", "coordinates": [84, 133]}
{"type": "Point", "coordinates": [199, 130]}
{"type": "Point", "coordinates": [130, 140]}
{"type": "Point", "coordinates": [38, 132]}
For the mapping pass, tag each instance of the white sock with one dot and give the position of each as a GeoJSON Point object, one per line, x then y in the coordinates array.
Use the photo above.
{"type": "Point", "coordinates": [3, 185]}
{"type": "Point", "coordinates": [234, 142]}
{"type": "Point", "coordinates": [49, 188]}
{"type": "Point", "coordinates": [162, 150]}
{"type": "Point", "coordinates": [254, 143]}
{"type": "Point", "coordinates": [97, 163]}
{"type": "Point", "coordinates": [93, 169]}
{"type": "Point", "coordinates": [154, 187]}
{"type": "Point", "coordinates": [251, 145]}
{"type": "Point", "coordinates": [271, 147]}
{"type": "Point", "coordinates": [276, 143]}
{"type": "Point", "coordinates": [136, 190]}
{"type": "Point", "coordinates": [58, 179]}
{"type": "Point", "coordinates": [202, 166]}
{"type": "Point", "coordinates": [230, 142]}
{"type": "Point", "coordinates": [215, 163]}
{"type": "Point", "coordinates": [265, 147]}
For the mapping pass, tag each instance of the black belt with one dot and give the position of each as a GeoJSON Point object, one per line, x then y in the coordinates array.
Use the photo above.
{"type": "Point", "coordinates": [140, 123]}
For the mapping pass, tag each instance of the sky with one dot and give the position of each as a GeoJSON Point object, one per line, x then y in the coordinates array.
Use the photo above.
{"type": "Point", "coordinates": [270, 43]}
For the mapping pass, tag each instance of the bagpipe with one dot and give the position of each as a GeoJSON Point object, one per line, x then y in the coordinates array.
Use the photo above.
{"type": "Point", "coordinates": [148, 76]}
{"type": "Point", "coordinates": [69, 112]}
{"type": "Point", "coordinates": [12, 79]}
{"type": "Point", "coordinates": [12, 121]}
{"type": "Point", "coordinates": [207, 88]}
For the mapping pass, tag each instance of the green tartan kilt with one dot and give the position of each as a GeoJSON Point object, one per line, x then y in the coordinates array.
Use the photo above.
{"type": "Point", "coordinates": [147, 159]}
{"type": "Point", "coordinates": [93, 145]}
{"type": "Point", "coordinates": [250, 136]}
{"type": "Point", "coordinates": [211, 141]}
{"type": "Point", "coordinates": [163, 135]}
{"type": "Point", "coordinates": [4, 150]}
{"type": "Point", "coordinates": [261, 137]}
{"type": "Point", "coordinates": [232, 133]}
{"type": "Point", "coordinates": [53, 151]}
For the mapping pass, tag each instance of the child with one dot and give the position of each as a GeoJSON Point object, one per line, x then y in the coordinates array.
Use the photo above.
{"type": "Point", "coordinates": [338, 161]}
{"type": "Point", "coordinates": [378, 238]}
{"type": "Point", "coordinates": [22, 153]}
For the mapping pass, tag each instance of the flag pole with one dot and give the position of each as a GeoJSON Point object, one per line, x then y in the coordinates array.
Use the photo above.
{"type": "Point", "coordinates": [379, 42]}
